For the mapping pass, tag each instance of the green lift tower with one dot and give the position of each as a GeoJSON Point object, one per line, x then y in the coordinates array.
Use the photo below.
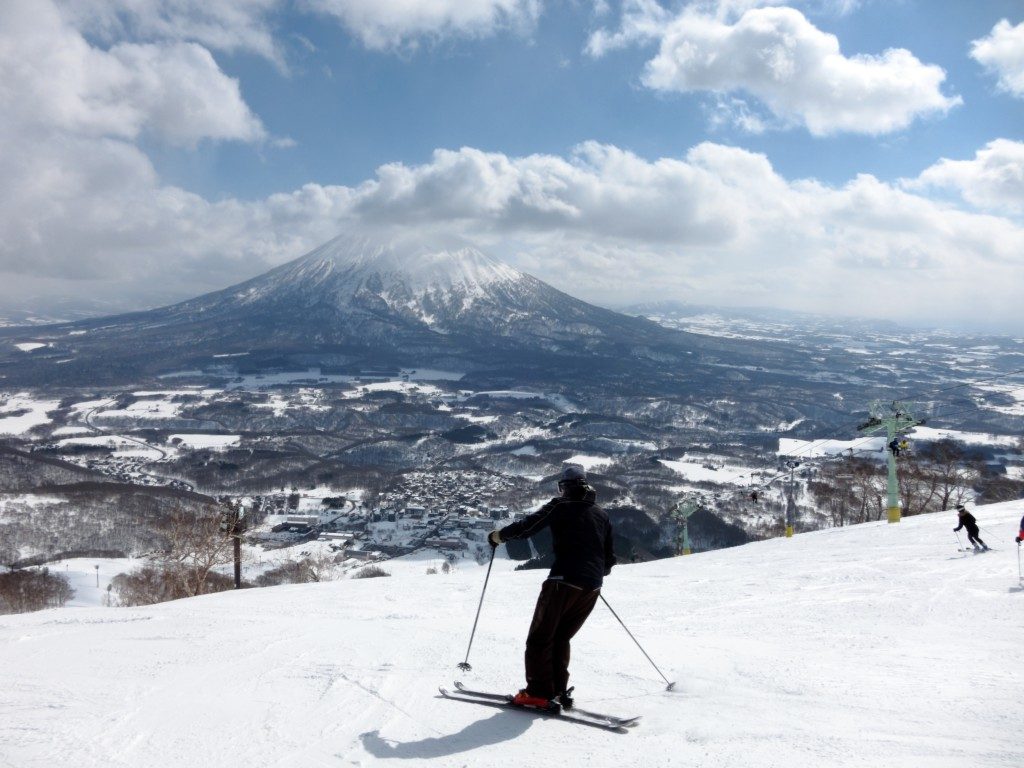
{"type": "Point", "coordinates": [681, 512]}
{"type": "Point", "coordinates": [896, 419]}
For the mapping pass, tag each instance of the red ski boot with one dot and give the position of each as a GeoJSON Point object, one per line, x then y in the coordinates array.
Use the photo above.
{"type": "Point", "coordinates": [525, 699]}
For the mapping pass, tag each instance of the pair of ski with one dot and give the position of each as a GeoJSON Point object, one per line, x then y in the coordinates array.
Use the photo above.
{"type": "Point", "coordinates": [574, 715]}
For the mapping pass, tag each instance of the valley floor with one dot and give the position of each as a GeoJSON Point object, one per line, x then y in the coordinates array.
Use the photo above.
{"type": "Point", "coordinates": [874, 645]}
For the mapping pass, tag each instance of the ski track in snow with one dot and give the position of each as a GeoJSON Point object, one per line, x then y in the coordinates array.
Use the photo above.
{"type": "Point", "coordinates": [874, 645]}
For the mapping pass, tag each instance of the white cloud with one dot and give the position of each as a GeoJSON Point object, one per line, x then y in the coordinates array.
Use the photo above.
{"type": "Point", "coordinates": [642, 21]}
{"type": "Point", "coordinates": [776, 55]}
{"type": "Point", "coordinates": [1002, 54]}
{"type": "Point", "coordinates": [726, 9]}
{"type": "Point", "coordinates": [726, 110]}
{"type": "Point", "coordinates": [54, 80]}
{"type": "Point", "coordinates": [79, 199]}
{"type": "Point", "coordinates": [249, 25]}
{"type": "Point", "coordinates": [718, 225]}
{"type": "Point", "coordinates": [389, 24]}
{"type": "Point", "coordinates": [993, 180]}
{"type": "Point", "coordinates": [222, 25]}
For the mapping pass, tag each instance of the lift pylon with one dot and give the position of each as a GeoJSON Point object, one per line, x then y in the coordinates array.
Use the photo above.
{"type": "Point", "coordinates": [895, 418]}
{"type": "Point", "coordinates": [681, 512]}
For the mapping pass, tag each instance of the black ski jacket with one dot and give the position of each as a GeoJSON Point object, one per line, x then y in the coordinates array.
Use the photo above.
{"type": "Point", "coordinates": [582, 539]}
{"type": "Point", "coordinates": [967, 519]}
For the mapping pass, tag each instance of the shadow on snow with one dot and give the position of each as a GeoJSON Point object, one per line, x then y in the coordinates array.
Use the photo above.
{"type": "Point", "coordinates": [503, 726]}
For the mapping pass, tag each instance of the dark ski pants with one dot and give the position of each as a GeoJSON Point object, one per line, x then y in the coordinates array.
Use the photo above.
{"type": "Point", "coordinates": [975, 539]}
{"type": "Point", "coordinates": [561, 611]}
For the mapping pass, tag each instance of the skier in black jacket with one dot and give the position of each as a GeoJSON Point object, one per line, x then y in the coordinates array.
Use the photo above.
{"type": "Point", "coordinates": [967, 521]}
{"type": "Point", "coordinates": [582, 539]}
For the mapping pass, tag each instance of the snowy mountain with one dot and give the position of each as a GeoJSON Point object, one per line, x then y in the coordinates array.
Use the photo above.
{"type": "Point", "coordinates": [872, 646]}
{"type": "Point", "coordinates": [364, 292]}
{"type": "Point", "coordinates": [360, 303]}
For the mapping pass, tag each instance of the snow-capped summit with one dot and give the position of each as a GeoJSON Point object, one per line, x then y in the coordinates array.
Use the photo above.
{"type": "Point", "coordinates": [428, 281]}
{"type": "Point", "coordinates": [417, 264]}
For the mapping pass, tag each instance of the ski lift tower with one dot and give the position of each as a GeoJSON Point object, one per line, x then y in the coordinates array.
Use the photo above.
{"type": "Point", "coordinates": [791, 465]}
{"type": "Point", "coordinates": [895, 419]}
{"type": "Point", "coordinates": [233, 524]}
{"type": "Point", "coordinates": [681, 512]}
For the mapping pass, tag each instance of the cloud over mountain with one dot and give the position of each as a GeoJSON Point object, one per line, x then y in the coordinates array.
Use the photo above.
{"type": "Point", "coordinates": [719, 224]}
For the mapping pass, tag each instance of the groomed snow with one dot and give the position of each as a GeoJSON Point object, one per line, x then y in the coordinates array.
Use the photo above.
{"type": "Point", "coordinates": [872, 646]}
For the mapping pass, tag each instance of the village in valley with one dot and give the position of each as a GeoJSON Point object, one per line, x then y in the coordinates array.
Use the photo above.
{"type": "Point", "coordinates": [447, 514]}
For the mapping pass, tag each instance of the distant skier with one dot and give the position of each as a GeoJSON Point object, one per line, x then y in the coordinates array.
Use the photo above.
{"type": "Point", "coordinates": [967, 521]}
{"type": "Point", "coordinates": [582, 538]}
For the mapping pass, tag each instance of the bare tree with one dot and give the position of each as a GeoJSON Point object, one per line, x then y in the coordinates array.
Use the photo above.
{"type": "Point", "coordinates": [196, 544]}
{"type": "Point", "coordinates": [850, 491]}
{"type": "Point", "coordinates": [918, 488]}
{"type": "Point", "coordinates": [956, 471]}
{"type": "Point", "coordinates": [8, 546]}
{"type": "Point", "coordinates": [32, 589]}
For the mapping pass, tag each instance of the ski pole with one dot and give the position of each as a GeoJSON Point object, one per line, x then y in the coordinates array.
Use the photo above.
{"type": "Point", "coordinates": [669, 686]}
{"type": "Point", "coordinates": [1020, 577]}
{"type": "Point", "coordinates": [465, 666]}
{"type": "Point", "coordinates": [959, 546]}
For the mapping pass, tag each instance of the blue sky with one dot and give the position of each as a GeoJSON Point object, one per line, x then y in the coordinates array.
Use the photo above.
{"type": "Point", "coordinates": [735, 152]}
{"type": "Point", "coordinates": [539, 92]}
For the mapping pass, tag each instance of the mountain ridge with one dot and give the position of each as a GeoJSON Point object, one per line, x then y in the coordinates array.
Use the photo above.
{"type": "Point", "coordinates": [356, 302]}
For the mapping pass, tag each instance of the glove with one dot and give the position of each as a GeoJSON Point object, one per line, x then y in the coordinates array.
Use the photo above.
{"type": "Point", "coordinates": [1017, 539]}
{"type": "Point", "coordinates": [494, 538]}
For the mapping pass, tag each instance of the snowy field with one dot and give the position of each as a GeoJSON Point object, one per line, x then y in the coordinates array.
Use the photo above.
{"type": "Point", "coordinates": [697, 472]}
{"type": "Point", "coordinates": [876, 645]}
{"type": "Point", "coordinates": [214, 442]}
{"type": "Point", "coordinates": [122, 445]}
{"type": "Point", "coordinates": [21, 412]}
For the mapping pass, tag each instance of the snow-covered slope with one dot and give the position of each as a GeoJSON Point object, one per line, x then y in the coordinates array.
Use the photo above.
{"type": "Point", "coordinates": [876, 645]}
